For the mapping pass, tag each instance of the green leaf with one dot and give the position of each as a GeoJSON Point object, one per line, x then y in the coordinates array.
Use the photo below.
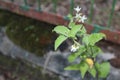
{"type": "Point", "coordinates": [104, 70]}
{"type": "Point", "coordinates": [96, 50]}
{"type": "Point", "coordinates": [81, 32]}
{"type": "Point", "coordinates": [70, 16]}
{"type": "Point", "coordinates": [86, 39]}
{"type": "Point", "coordinates": [61, 30]}
{"type": "Point", "coordinates": [97, 65]}
{"type": "Point", "coordinates": [83, 68]}
{"type": "Point", "coordinates": [93, 38]}
{"type": "Point", "coordinates": [93, 72]}
{"type": "Point", "coordinates": [71, 24]}
{"type": "Point", "coordinates": [73, 56]}
{"type": "Point", "coordinates": [74, 30]}
{"type": "Point", "coordinates": [73, 67]}
{"type": "Point", "coordinates": [59, 41]}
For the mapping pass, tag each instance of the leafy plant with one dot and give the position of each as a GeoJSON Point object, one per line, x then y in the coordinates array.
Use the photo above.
{"type": "Point", "coordinates": [85, 49]}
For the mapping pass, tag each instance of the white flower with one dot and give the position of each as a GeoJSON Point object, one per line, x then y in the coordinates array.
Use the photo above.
{"type": "Point", "coordinates": [77, 9]}
{"type": "Point", "coordinates": [77, 15]}
{"type": "Point", "coordinates": [83, 18]}
{"type": "Point", "coordinates": [74, 48]}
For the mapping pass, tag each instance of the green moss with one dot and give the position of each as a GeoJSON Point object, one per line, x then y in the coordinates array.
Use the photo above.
{"type": "Point", "coordinates": [3, 20]}
{"type": "Point", "coordinates": [29, 34]}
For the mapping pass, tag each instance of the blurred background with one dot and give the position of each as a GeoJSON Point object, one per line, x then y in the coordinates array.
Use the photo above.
{"type": "Point", "coordinates": [27, 40]}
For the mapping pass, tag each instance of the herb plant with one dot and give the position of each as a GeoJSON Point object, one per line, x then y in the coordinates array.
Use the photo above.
{"type": "Point", "coordinates": [84, 46]}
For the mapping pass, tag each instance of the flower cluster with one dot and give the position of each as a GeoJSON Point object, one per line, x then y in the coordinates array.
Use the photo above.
{"type": "Point", "coordinates": [79, 17]}
{"type": "Point", "coordinates": [74, 48]}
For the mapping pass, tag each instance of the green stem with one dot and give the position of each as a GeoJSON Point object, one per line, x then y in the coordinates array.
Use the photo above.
{"type": "Point", "coordinates": [12, 0]}
{"type": "Point", "coordinates": [39, 7]}
{"type": "Point", "coordinates": [91, 51]}
{"type": "Point", "coordinates": [25, 2]}
{"type": "Point", "coordinates": [78, 44]}
{"type": "Point", "coordinates": [54, 5]}
{"type": "Point", "coordinates": [94, 62]}
{"type": "Point", "coordinates": [111, 14]}
{"type": "Point", "coordinates": [91, 11]}
{"type": "Point", "coordinates": [87, 52]}
{"type": "Point", "coordinates": [71, 6]}
{"type": "Point", "coordinates": [97, 73]}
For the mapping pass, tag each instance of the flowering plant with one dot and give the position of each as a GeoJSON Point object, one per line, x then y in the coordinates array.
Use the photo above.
{"type": "Point", "coordinates": [83, 46]}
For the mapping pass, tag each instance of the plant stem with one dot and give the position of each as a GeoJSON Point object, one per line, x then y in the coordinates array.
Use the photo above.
{"type": "Point", "coordinates": [95, 66]}
{"type": "Point", "coordinates": [87, 51]}
{"type": "Point", "coordinates": [91, 51]}
{"type": "Point", "coordinates": [71, 6]}
{"type": "Point", "coordinates": [97, 73]}
{"type": "Point", "coordinates": [111, 14]}
{"type": "Point", "coordinates": [91, 11]}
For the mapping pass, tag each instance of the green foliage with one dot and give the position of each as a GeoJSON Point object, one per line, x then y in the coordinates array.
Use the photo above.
{"type": "Point", "coordinates": [70, 16]}
{"type": "Point", "coordinates": [61, 30]}
{"type": "Point", "coordinates": [83, 68]}
{"type": "Point", "coordinates": [59, 41]}
{"type": "Point", "coordinates": [71, 24]}
{"type": "Point", "coordinates": [73, 67]}
{"type": "Point", "coordinates": [92, 71]}
{"type": "Point", "coordinates": [96, 50]}
{"type": "Point", "coordinates": [93, 38]}
{"type": "Point", "coordinates": [74, 31]}
{"type": "Point", "coordinates": [65, 33]}
{"type": "Point", "coordinates": [104, 69]}
{"type": "Point", "coordinates": [84, 47]}
{"type": "Point", "coordinates": [73, 56]}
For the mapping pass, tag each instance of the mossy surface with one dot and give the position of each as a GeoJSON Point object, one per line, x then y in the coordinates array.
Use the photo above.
{"type": "Point", "coordinates": [32, 35]}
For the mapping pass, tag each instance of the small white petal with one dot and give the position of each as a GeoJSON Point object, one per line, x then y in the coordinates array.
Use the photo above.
{"type": "Point", "coordinates": [77, 9]}
{"type": "Point", "coordinates": [83, 18]}
{"type": "Point", "coordinates": [74, 48]}
{"type": "Point", "coordinates": [78, 15]}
